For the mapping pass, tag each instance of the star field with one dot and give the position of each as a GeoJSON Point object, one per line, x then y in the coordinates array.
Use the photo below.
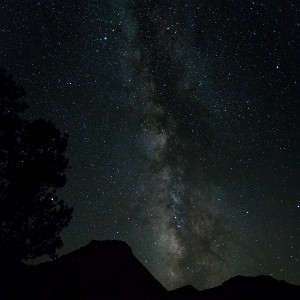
{"type": "Point", "coordinates": [183, 119]}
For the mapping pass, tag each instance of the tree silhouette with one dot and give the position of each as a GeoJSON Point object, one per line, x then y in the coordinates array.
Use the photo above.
{"type": "Point", "coordinates": [32, 167]}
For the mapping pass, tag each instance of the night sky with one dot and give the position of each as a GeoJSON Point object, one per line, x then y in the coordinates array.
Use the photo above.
{"type": "Point", "coordinates": [183, 119]}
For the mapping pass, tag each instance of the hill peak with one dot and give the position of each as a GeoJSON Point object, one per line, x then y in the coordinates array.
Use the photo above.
{"type": "Point", "coordinates": [108, 244]}
{"type": "Point", "coordinates": [263, 279]}
{"type": "Point", "coordinates": [101, 269]}
{"type": "Point", "coordinates": [105, 243]}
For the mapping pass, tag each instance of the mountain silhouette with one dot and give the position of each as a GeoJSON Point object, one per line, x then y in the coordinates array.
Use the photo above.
{"type": "Point", "coordinates": [100, 270]}
{"type": "Point", "coordinates": [185, 292]}
{"type": "Point", "coordinates": [242, 288]}
{"type": "Point", "coordinates": [107, 270]}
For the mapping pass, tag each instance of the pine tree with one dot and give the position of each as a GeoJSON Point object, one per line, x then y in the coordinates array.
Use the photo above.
{"type": "Point", "coordinates": [32, 168]}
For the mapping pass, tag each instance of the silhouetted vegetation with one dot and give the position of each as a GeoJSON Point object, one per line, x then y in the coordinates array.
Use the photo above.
{"type": "Point", "coordinates": [32, 167]}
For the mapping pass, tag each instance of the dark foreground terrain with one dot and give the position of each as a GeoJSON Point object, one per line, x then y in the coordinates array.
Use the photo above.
{"type": "Point", "coordinates": [108, 270]}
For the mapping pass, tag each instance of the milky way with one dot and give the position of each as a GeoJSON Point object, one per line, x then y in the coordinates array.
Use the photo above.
{"type": "Point", "coordinates": [173, 139]}
{"type": "Point", "coordinates": [183, 123]}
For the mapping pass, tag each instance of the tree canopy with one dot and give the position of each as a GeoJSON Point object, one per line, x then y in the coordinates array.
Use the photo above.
{"type": "Point", "coordinates": [32, 168]}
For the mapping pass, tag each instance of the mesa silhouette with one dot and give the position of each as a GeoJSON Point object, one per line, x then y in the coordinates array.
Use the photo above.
{"type": "Point", "coordinates": [109, 270]}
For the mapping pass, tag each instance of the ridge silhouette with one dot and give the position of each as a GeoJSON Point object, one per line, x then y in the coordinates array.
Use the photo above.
{"type": "Point", "coordinates": [109, 270]}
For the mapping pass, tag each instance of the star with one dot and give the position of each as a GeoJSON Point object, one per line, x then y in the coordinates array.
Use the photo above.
{"type": "Point", "coordinates": [182, 127]}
